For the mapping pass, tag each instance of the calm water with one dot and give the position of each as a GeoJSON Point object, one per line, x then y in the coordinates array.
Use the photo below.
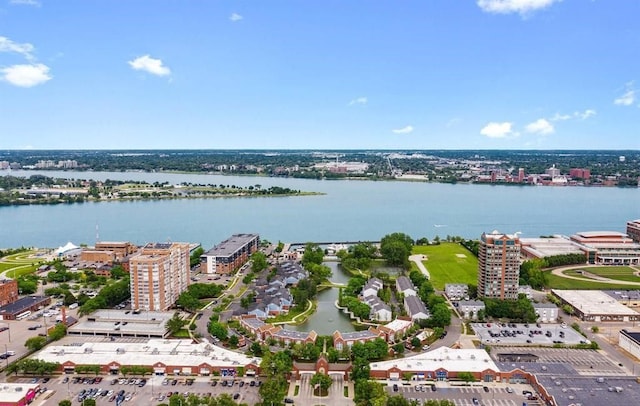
{"type": "Point", "coordinates": [327, 317]}
{"type": "Point", "coordinates": [350, 210]}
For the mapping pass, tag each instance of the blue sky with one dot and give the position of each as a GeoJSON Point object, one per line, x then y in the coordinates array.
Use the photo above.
{"type": "Point", "coordinates": [339, 74]}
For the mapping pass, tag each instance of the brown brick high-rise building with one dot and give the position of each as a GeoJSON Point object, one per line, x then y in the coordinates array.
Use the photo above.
{"type": "Point", "coordinates": [498, 266]}
{"type": "Point", "coordinates": [159, 274]}
{"type": "Point", "coordinates": [8, 291]}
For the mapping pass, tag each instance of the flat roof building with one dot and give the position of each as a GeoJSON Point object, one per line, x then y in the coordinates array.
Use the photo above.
{"type": "Point", "coordinates": [608, 247]}
{"type": "Point", "coordinates": [231, 253]}
{"type": "Point", "coordinates": [498, 266]}
{"type": "Point", "coordinates": [595, 305]}
{"type": "Point", "coordinates": [630, 342]}
{"type": "Point", "coordinates": [180, 357]}
{"type": "Point", "coordinates": [21, 306]}
{"type": "Point", "coordinates": [17, 394]}
{"type": "Point", "coordinates": [633, 230]}
{"type": "Point", "coordinates": [159, 274]}
{"type": "Point", "coordinates": [548, 247]}
{"type": "Point", "coordinates": [121, 323]}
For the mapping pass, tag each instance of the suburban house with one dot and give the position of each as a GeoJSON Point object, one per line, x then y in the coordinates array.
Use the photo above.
{"type": "Point", "coordinates": [404, 286]}
{"type": "Point", "coordinates": [456, 291]}
{"type": "Point", "coordinates": [372, 287]}
{"type": "Point", "coordinates": [415, 308]}
{"type": "Point", "coordinates": [469, 309]}
{"type": "Point", "coordinates": [380, 311]}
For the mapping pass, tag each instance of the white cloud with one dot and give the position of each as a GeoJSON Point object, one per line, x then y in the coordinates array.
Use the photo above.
{"type": "Point", "coordinates": [453, 122]}
{"type": "Point", "coordinates": [561, 117]}
{"type": "Point", "coordinates": [235, 17]}
{"type": "Point", "coordinates": [540, 126]}
{"type": "Point", "coordinates": [26, 75]}
{"type": "Point", "coordinates": [359, 100]}
{"type": "Point", "coordinates": [585, 114]}
{"type": "Point", "coordinates": [34, 3]}
{"type": "Point", "coordinates": [581, 115]}
{"type": "Point", "coordinates": [150, 65]}
{"type": "Point", "coordinates": [497, 130]}
{"type": "Point", "coordinates": [26, 49]}
{"type": "Point", "coordinates": [628, 97]}
{"type": "Point", "coordinates": [405, 130]}
{"type": "Point", "coordinates": [521, 7]}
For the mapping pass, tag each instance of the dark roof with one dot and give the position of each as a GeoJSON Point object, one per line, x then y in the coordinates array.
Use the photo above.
{"type": "Point", "coordinates": [231, 245]}
{"type": "Point", "coordinates": [415, 305]}
{"type": "Point", "coordinates": [634, 335]}
{"type": "Point", "coordinates": [404, 283]}
{"type": "Point", "coordinates": [22, 304]}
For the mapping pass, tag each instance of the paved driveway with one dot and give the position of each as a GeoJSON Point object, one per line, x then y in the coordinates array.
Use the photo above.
{"type": "Point", "coordinates": [336, 392]}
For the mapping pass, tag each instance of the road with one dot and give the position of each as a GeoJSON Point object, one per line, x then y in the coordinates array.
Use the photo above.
{"type": "Point", "coordinates": [607, 338]}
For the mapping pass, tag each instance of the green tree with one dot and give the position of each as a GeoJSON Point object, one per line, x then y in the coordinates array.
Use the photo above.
{"type": "Point", "coordinates": [188, 302]}
{"type": "Point", "coordinates": [233, 341]}
{"type": "Point", "coordinates": [396, 248]}
{"type": "Point", "coordinates": [27, 285]}
{"type": "Point", "coordinates": [397, 400]}
{"type": "Point", "coordinates": [466, 377]}
{"type": "Point", "coordinates": [118, 272]}
{"type": "Point", "coordinates": [194, 258]}
{"type": "Point", "coordinates": [218, 330]}
{"type": "Point", "coordinates": [313, 254]}
{"type": "Point", "coordinates": [64, 402]}
{"type": "Point", "coordinates": [176, 323]}
{"type": "Point", "coordinates": [415, 342]}
{"type": "Point", "coordinates": [256, 349]}
{"type": "Point", "coordinates": [258, 262]}
{"type": "Point", "coordinates": [323, 381]}
{"type": "Point", "coordinates": [35, 343]}
{"type": "Point", "coordinates": [369, 393]}
{"type": "Point", "coordinates": [89, 402]}
{"type": "Point", "coordinates": [59, 331]}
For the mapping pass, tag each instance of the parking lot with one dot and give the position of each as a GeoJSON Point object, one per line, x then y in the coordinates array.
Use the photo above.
{"type": "Point", "coordinates": [557, 361]}
{"type": "Point", "coordinates": [527, 334]}
{"type": "Point", "coordinates": [18, 331]}
{"type": "Point", "coordinates": [494, 394]}
{"type": "Point", "coordinates": [156, 389]}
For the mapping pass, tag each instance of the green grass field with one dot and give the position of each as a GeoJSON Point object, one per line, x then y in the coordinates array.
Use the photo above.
{"type": "Point", "coordinates": [449, 263]}
{"type": "Point", "coordinates": [558, 282]}
{"type": "Point", "coordinates": [20, 263]}
{"type": "Point", "coordinates": [621, 273]}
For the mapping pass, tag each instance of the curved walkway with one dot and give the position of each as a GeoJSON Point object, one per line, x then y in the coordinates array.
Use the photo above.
{"type": "Point", "coordinates": [417, 259]}
{"type": "Point", "coordinates": [601, 279]}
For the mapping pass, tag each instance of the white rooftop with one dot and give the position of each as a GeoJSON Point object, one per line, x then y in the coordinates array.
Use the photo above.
{"type": "Point", "coordinates": [458, 360]}
{"type": "Point", "coordinates": [168, 352]}
{"type": "Point", "coordinates": [125, 322]}
{"type": "Point", "coordinates": [593, 302]}
{"type": "Point", "coordinates": [544, 247]}
{"type": "Point", "coordinates": [14, 392]}
{"type": "Point", "coordinates": [398, 324]}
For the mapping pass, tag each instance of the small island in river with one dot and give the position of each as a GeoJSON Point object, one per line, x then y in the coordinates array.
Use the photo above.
{"type": "Point", "coordinates": [39, 189]}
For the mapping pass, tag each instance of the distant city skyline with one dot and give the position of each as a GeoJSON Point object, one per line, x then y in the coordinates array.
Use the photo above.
{"type": "Point", "coordinates": [475, 74]}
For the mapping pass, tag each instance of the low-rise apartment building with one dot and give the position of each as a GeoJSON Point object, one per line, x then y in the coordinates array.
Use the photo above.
{"type": "Point", "coordinates": [231, 253]}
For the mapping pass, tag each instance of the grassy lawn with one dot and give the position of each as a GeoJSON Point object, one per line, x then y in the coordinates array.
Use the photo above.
{"type": "Point", "coordinates": [449, 263]}
{"type": "Point", "coordinates": [621, 273]}
{"type": "Point", "coordinates": [558, 282]}
{"type": "Point", "coordinates": [20, 262]}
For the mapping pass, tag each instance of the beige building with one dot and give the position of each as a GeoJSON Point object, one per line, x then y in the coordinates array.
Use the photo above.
{"type": "Point", "coordinates": [159, 273]}
{"type": "Point", "coordinates": [498, 266]}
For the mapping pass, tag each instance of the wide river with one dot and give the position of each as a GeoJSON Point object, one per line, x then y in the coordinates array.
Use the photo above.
{"type": "Point", "coordinates": [347, 211]}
